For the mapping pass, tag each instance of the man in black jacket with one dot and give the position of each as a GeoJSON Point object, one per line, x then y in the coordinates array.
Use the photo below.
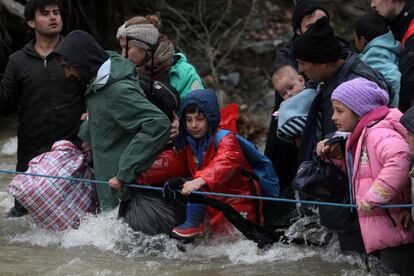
{"type": "Point", "coordinates": [320, 58]}
{"type": "Point", "coordinates": [400, 14]}
{"type": "Point", "coordinates": [48, 105]}
{"type": "Point", "coordinates": [282, 154]}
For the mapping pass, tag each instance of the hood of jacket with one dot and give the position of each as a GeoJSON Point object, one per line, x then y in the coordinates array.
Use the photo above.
{"type": "Point", "coordinates": [29, 49]}
{"type": "Point", "coordinates": [81, 51]}
{"type": "Point", "coordinates": [392, 121]}
{"type": "Point", "coordinates": [207, 102]}
{"type": "Point", "coordinates": [115, 68]}
{"type": "Point", "coordinates": [385, 41]}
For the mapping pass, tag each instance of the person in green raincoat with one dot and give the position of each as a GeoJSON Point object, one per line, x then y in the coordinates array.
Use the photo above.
{"type": "Point", "coordinates": [124, 130]}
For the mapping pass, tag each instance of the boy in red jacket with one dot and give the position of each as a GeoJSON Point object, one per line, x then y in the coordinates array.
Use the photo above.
{"type": "Point", "coordinates": [211, 168]}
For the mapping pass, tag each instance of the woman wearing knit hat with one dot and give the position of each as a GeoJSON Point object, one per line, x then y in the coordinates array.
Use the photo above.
{"type": "Point", "coordinates": [140, 40]}
{"type": "Point", "coordinates": [377, 161]}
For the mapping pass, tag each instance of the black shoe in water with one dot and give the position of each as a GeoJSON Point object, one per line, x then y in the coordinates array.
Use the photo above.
{"type": "Point", "coordinates": [16, 212]}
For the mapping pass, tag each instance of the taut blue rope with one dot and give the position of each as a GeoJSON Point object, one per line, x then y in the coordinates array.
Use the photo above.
{"type": "Point", "coordinates": [211, 193]}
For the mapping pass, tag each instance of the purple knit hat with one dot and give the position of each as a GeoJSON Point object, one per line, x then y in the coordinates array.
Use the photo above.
{"type": "Point", "coordinates": [360, 95]}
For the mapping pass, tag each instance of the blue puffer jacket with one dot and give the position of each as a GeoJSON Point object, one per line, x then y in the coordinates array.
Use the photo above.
{"type": "Point", "coordinates": [382, 53]}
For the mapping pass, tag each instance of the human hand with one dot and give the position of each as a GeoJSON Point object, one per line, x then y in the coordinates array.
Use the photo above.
{"type": "Point", "coordinates": [365, 206]}
{"type": "Point", "coordinates": [175, 127]}
{"type": "Point", "coordinates": [192, 185]}
{"type": "Point", "coordinates": [117, 184]}
{"type": "Point", "coordinates": [405, 219]}
{"type": "Point", "coordinates": [332, 151]}
{"type": "Point", "coordinates": [170, 188]}
{"type": "Point", "coordinates": [84, 116]}
{"type": "Point", "coordinates": [87, 152]}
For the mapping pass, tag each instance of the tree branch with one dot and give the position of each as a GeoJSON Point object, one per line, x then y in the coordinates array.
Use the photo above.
{"type": "Point", "coordinates": [238, 36]}
{"type": "Point", "coordinates": [180, 15]}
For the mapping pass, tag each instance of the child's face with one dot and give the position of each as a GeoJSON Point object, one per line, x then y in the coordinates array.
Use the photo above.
{"type": "Point", "coordinates": [410, 141]}
{"type": "Point", "coordinates": [196, 124]}
{"type": "Point", "coordinates": [344, 118]}
{"type": "Point", "coordinates": [289, 85]}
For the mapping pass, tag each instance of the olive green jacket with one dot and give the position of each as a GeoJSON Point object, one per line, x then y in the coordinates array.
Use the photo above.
{"type": "Point", "coordinates": [125, 131]}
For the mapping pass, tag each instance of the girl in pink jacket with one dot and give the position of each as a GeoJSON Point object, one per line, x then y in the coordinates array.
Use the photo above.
{"type": "Point", "coordinates": [377, 162]}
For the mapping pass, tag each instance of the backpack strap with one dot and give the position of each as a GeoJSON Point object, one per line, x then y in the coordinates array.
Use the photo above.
{"type": "Point", "coordinates": [408, 33]}
{"type": "Point", "coordinates": [219, 135]}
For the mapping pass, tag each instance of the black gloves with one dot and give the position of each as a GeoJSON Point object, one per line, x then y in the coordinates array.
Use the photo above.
{"type": "Point", "coordinates": [172, 187]}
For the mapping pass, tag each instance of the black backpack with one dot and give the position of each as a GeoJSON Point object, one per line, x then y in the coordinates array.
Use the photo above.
{"type": "Point", "coordinates": [162, 95]}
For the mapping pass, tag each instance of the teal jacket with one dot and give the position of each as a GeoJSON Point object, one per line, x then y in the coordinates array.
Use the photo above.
{"type": "Point", "coordinates": [382, 54]}
{"type": "Point", "coordinates": [183, 76]}
{"type": "Point", "coordinates": [126, 132]}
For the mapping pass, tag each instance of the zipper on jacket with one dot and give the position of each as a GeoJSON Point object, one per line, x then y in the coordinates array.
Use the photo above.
{"type": "Point", "coordinates": [45, 63]}
{"type": "Point", "coordinates": [349, 163]}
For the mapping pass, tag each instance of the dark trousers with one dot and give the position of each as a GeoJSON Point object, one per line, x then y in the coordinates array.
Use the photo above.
{"type": "Point", "coordinates": [400, 258]}
{"type": "Point", "coordinates": [20, 167]}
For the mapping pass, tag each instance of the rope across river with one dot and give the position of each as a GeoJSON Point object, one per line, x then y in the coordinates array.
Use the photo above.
{"type": "Point", "coordinates": [274, 199]}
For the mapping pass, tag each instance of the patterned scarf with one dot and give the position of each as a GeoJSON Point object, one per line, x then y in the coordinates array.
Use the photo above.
{"type": "Point", "coordinates": [162, 60]}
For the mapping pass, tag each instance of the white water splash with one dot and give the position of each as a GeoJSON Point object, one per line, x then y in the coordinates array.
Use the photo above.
{"type": "Point", "coordinates": [6, 201]}
{"type": "Point", "coordinates": [10, 147]}
{"type": "Point", "coordinates": [246, 252]}
{"type": "Point", "coordinates": [105, 232]}
{"type": "Point", "coordinates": [112, 236]}
{"type": "Point", "coordinates": [100, 231]}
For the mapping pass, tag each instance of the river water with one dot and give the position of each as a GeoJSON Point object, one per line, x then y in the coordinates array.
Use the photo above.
{"type": "Point", "coordinates": [105, 246]}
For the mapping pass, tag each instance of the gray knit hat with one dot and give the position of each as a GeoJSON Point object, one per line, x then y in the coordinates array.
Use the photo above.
{"type": "Point", "coordinates": [139, 35]}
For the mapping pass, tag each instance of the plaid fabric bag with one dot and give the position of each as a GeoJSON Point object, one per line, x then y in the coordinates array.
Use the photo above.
{"type": "Point", "coordinates": [56, 204]}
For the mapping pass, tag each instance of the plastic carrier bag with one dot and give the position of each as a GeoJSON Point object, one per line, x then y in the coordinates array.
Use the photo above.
{"type": "Point", "coordinates": [56, 204]}
{"type": "Point", "coordinates": [147, 212]}
{"type": "Point", "coordinates": [321, 180]}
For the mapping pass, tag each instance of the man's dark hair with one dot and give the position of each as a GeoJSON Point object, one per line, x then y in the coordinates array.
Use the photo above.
{"type": "Point", "coordinates": [33, 5]}
{"type": "Point", "coordinates": [370, 26]}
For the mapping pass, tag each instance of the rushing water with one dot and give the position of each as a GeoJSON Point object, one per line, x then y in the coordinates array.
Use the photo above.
{"type": "Point", "coordinates": [105, 246]}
